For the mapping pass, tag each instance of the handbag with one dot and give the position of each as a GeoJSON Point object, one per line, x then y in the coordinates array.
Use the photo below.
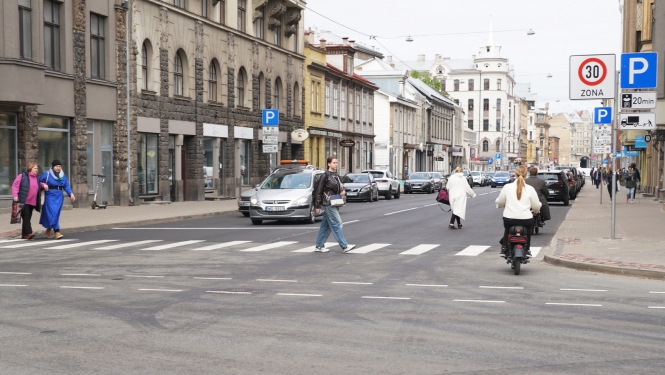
{"type": "Point", "coordinates": [17, 208]}
{"type": "Point", "coordinates": [443, 197]}
{"type": "Point", "coordinates": [336, 200]}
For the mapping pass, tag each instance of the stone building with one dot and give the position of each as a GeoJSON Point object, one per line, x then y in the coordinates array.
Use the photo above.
{"type": "Point", "coordinates": [204, 70]}
{"type": "Point", "coordinates": [555, 148]}
{"type": "Point", "coordinates": [560, 125]}
{"type": "Point", "coordinates": [61, 87]}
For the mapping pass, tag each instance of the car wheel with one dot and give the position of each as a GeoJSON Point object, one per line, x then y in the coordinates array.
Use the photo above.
{"type": "Point", "coordinates": [245, 214]}
{"type": "Point", "coordinates": [397, 194]}
{"type": "Point", "coordinates": [257, 222]}
{"type": "Point", "coordinates": [377, 196]}
{"type": "Point", "coordinates": [389, 196]}
{"type": "Point", "coordinates": [566, 201]}
{"type": "Point", "coordinates": [312, 215]}
{"type": "Point", "coordinates": [493, 186]}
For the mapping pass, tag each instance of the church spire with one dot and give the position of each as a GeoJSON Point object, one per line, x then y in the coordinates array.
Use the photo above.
{"type": "Point", "coordinates": [490, 36]}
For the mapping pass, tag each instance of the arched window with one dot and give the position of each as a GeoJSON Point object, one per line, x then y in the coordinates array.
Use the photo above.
{"type": "Point", "coordinates": [296, 100]}
{"type": "Point", "coordinates": [144, 67]}
{"type": "Point", "coordinates": [178, 76]}
{"type": "Point", "coordinates": [498, 146]}
{"type": "Point", "coordinates": [212, 82]}
{"type": "Point", "coordinates": [240, 87]}
{"type": "Point", "coordinates": [486, 145]}
{"type": "Point", "coordinates": [276, 99]}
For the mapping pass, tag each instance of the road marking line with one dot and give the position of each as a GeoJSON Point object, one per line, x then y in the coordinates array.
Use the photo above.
{"type": "Point", "coordinates": [650, 307]}
{"type": "Point", "coordinates": [420, 249]}
{"type": "Point", "coordinates": [301, 295]}
{"type": "Point", "coordinates": [396, 212]}
{"type": "Point", "coordinates": [501, 287]}
{"type": "Point", "coordinates": [657, 292]}
{"type": "Point", "coordinates": [534, 251]}
{"type": "Point", "coordinates": [221, 245]}
{"type": "Point", "coordinates": [11, 285]}
{"type": "Point", "coordinates": [82, 287]}
{"type": "Point", "coordinates": [351, 283]}
{"type": "Point", "coordinates": [352, 221]}
{"type": "Point", "coordinates": [33, 244]}
{"type": "Point", "coordinates": [573, 304]}
{"type": "Point", "coordinates": [310, 249]}
{"type": "Point", "coordinates": [442, 286]}
{"type": "Point", "coordinates": [124, 245]}
{"type": "Point", "coordinates": [161, 290]}
{"type": "Point", "coordinates": [172, 245]}
{"type": "Point", "coordinates": [6, 241]}
{"type": "Point", "coordinates": [78, 244]}
{"type": "Point", "coordinates": [281, 227]}
{"type": "Point", "coordinates": [16, 273]}
{"type": "Point", "coordinates": [368, 248]}
{"type": "Point", "coordinates": [212, 278]}
{"type": "Point", "coordinates": [79, 274]}
{"type": "Point", "coordinates": [270, 246]}
{"type": "Point", "coordinates": [143, 276]}
{"type": "Point", "coordinates": [373, 297]}
{"type": "Point", "coordinates": [477, 300]}
{"type": "Point", "coordinates": [278, 281]}
{"type": "Point", "coordinates": [472, 250]}
{"type": "Point", "coordinates": [225, 292]}
{"type": "Point", "coordinates": [585, 290]}
{"type": "Point", "coordinates": [428, 205]}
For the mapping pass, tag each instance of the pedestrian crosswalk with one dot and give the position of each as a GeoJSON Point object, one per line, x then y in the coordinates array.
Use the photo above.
{"type": "Point", "coordinates": [248, 246]}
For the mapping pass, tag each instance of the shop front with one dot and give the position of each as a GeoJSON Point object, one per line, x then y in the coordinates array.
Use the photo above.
{"type": "Point", "coordinates": [214, 147]}
{"type": "Point", "coordinates": [243, 154]}
{"type": "Point", "coordinates": [8, 157]}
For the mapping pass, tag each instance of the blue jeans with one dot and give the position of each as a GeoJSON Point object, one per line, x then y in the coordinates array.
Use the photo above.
{"type": "Point", "coordinates": [630, 193]}
{"type": "Point", "coordinates": [331, 222]}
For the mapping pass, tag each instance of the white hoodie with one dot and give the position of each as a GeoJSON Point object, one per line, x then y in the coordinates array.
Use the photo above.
{"type": "Point", "coordinates": [518, 209]}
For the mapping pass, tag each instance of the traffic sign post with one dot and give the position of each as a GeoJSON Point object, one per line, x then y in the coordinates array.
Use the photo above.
{"type": "Point", "coordinates": [270, 117]}
{"type": "Point", "coordinates": [270, 121]}
{"type": "Point", "coordinates": [639, 100]}
{"type": "Point", "coordinates": [592, 77]}
{"type": "Point", "coordinates": [602, 115]}
{"type": "Point", "coordinates": [639, 70]}
{"type": "Point", "coordinates": [638, 121]}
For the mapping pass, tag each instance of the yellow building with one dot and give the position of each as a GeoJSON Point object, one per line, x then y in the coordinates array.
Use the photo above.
{"type": "Point", "coordinates": [315, 79]}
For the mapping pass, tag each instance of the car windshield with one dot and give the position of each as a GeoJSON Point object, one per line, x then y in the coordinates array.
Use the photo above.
{"type": "Point", "coordinates": [548, 176]}
{"type": "Point", "coordinates": [377, 174]}
{"type": "Point", "coordinates": [475, 174]}
{"type": "Point", "coordinates": [502, 174]}
{"type": "Point", "coordinates": [466, 173]}
{"type": "Point", "coordinates": [288, 180]}
{"type": "Point", "coordinates": [419, 176]}
{"type": "Point", "coordinates": [359, 178]}
{"type": "Point", "coordinates": [436, 175]}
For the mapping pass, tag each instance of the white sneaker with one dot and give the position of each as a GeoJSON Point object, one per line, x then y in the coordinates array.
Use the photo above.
{"type": "Point", "coordinates": [348, 248]}
{"type": "Point", "coordinates": [321, 249]}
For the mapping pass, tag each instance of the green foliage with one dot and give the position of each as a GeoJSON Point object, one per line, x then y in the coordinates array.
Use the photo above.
{"type": "Point", "coordinates": [428, 79]}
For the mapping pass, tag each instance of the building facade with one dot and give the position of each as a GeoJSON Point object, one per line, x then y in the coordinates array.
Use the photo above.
{"type": "Point", "coordinates": [581, 132]}
{"type": "Point", "coordinates": [560, 125]}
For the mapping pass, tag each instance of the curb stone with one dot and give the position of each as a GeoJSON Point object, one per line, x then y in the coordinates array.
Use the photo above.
{"type": "Point", "coordinates": [602, 268]}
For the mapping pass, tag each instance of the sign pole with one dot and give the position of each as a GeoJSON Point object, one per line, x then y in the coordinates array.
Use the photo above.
{"type": "Point", "coordinates": [615, 129]}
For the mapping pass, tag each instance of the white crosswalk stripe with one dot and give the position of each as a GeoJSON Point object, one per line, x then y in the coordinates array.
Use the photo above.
{"type": "Point", "coordinates": [270, 246]}
{"type": "Point", "coordinates": [310, 249]}
{"type": "Point", "coordinates": [33, 244]}
{"type": "Point", "coordinates": [6, 241]}
{"type": "Point", "coordinates": [125, 245]}
{"type": "Point", "coordinates": [368, 248]}
{"type": "Point", "coordinates": [420, 249]}
{"type": "Point", "coordinates": [78, 244]}
{"type": "Point", "coordinates": [172, 245]}
{"type": "Point", "coordinates": [221, 245]}
{"type": "Point", "coordinates": [473, 250]}
{"type": "Point", "coordinates": [534, 251]}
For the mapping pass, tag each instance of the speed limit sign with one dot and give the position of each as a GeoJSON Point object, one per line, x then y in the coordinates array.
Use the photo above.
{"type": "Point", "coordinates": [592, 77]}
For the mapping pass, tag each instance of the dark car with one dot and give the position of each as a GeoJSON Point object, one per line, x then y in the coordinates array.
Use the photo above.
{"type": "Point", "coordinates": [469, 178]}
{"type": "Point", "coordinates": [501, 178]}
{"type": "Point", "coordinates": [574, 181]}
{"type": "Point", "coordinates": [557, 184]}
{"type": "Point", "coordinates": [420, 181]}
{"type": "Point", "coordinates": [361, 187]}
{"type": "Point", "coordinates": [439, 180]}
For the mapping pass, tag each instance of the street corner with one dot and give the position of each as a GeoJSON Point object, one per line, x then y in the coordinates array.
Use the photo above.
{"type": "Point", "coordinates": [616, 267]}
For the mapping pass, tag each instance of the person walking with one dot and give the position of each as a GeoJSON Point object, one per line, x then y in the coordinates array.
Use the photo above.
{"type": "Point", "coordinates": [598, 178]}
{"type": "Point", "coordinates": [458, 190]}
{"type": "Point", "coordinates": [631, 180]}
{"type": "Point", "coordinates": [543, 192]}
{"type": "Point", "coordinates": [26, 189]}
{"type": "Point", "coordinates": [330, 185]}
{"type": "Point", "coordinates": [608, 180]}
{"type": "Point", "coordinates": [637, 174]}
{"type": "Point", "coordinates": [56, 182]}
{"type": "Point", "coordinates": [519, 200]}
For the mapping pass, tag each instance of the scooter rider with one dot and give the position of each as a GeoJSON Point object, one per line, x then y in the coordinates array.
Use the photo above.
{"type": "Point", "coordinates": [518, 200]}
{"type": "Point", "coordinates": [543, 192]}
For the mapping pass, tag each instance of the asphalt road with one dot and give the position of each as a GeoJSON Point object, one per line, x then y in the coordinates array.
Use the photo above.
{"type": "Point", "coordinates": [221, 295]}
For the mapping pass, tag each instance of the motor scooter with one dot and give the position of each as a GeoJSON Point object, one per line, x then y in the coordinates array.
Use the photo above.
{"type": "Point", "coordinates": [517, 252]}
{"type": "Point", "coordinates": [98, 183]}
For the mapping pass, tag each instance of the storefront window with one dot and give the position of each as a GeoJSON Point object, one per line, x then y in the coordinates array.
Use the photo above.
{"type": "Point", "coordinates": [327, 148]}
{"type": "Point", "coordinates": [8, 168]}
{"type": "Point", "coordinates": [53, 142]}
{"type": "Point", "coordinates": [244, 162]}
{"type": "Point", "coordinates": [208, 164]}
{"type": "Point", "coordinates": [148, 155]}
{"type": "Point", "coordinates": [91, 157]}
{"type": "Point", "coordinates": [100, 158]}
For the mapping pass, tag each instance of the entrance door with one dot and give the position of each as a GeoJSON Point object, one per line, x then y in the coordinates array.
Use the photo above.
{"type": "Point", "coordinates": [350, 160]}
{"type": "Point", "coordinates": [183, 170]}
{"type": "Point", "coordinates": [172, 167]}
{"type": "Point", "coordinates": [107, 170]}
{"type": "Point", "coordinates": [222, 176]}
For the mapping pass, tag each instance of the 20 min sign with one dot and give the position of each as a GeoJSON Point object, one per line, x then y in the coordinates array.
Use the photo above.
{"type": "Point", "coordinates": [592, 77]}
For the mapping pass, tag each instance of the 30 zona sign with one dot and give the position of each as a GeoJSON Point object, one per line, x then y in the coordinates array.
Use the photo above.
{"type": "Point", "coordinates": [592, 77]}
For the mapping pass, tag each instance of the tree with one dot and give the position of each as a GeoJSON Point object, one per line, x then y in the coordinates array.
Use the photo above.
{"type": "Point", "coordinates": [428, 79]}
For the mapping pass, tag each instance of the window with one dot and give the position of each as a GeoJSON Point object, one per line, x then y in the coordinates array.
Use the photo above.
{"type": "Point", "coordinates": [371, 110]}
{"type": "Point", "coordinates": [212, 83]}
{"type": "Point", "coordinates": [144, 67]}
{"type": "Point", "coordinates": [296, 100]}
{"type": "Point", "coordinates": [208, 164]}
{"type": "Point", "coordinates": [204, 8]}
{"type": "Point", "coordinates": [335, 100]}
{"type": "Point", "coordinates": [97, 45]}
{"type": "Point", "coordinates": [486, 146]}
{"type": "Point", "coordinates": [240, 85]}
{"type": "Point", "coordinates": [498, 124]}
{"type": "Point", "coordinates": [179, 3]}
{"type": "Point", "coordinates": [498, 106]}
{"type": "Point", "coordinates": [343, 105]}
{"type": "Point", "coordinates": [498, 83]}
{"type": "Point", "coordinates": [471, 85]}
{"type": "Point", "coordinates": [498, 146]}
{"type": "Point", "coordinates": [470, 105]}
{"type": "Point", "coordinates": [443, 85]}
{"type": "Point", "coordinates": [456, 85]}
{"type": "Point", "coordinates": [52, 34]}
{"type": "Point", "coordinates": [327, 105]}
{"type": "Point", "coordinates": [470, 124]}
{"type": "Point", "coordinates": [259, 24]}
{"type": "Point", "coordinates": [486, 125]}
{"type": "Point", "coordinates": [25, 28]}
{"type": "Point", "coordinates": [8, 152]}
{"type": "Point", "coordinates": [242, 8]}
{"type": "Point", "coordinates": [486, 104]}
{"type": "Point", "coordinates": [177, 76]}
{"type": "Point", "coordinates": [486, 84]}
{"type": "Point", "coordinates": [357, 117]}
{"type": "Point", "coordinates": [53, 141]}
{"type": "Point", "coordinates": [100, 157]}
{"type": "Point", "coordinates": [364, 108]}
{"type": "Point", "coordinates": [277, 35]}
{"type": "Point", "coordinates": [222, 12]}
{"type": "Point", "coordinates": [276, 95]}
{"type": "Point", "coordinates": [148, 171]}
{"type": "Point", "coordinates": [315, 96]}
{"type": "Point", "coordinates": [350, 105]}
{"type": "Point", "coordinates": [294, 37]}
{"type": "Point", "coordinates": [244, 161]}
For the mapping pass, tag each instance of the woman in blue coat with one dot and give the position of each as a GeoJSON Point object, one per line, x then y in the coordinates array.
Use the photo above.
{"type": "Point", "coordinates": [56, 181]}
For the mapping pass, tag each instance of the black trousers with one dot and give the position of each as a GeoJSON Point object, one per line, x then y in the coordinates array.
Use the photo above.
{"type": "Point", "coordinates": [455, 218]}
{"type": "Point", "coordinates": [507, 223]}
{"type": "Point", "coordinates": [26, 216]}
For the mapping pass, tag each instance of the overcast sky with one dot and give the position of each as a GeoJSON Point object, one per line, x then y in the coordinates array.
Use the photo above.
{"type": "Point", "coordinates": [563, 28]}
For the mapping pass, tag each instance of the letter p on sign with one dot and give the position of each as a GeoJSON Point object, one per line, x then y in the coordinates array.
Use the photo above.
{"type": "Point", "coordinates": [270, 117]}
{"type": "Point", "coordinates": [602, 115]}
{"type": "Point", "coordinates": [639, 70]}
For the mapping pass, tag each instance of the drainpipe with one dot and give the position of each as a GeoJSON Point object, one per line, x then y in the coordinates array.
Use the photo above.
{"type": "Point", "coordinates": [128, 6]}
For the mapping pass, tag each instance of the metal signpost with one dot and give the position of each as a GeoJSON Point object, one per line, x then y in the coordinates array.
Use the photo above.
{"type": "Point", "coordinates": [602, 139]}
{"type": "Point", "coordinates": [270, 121]}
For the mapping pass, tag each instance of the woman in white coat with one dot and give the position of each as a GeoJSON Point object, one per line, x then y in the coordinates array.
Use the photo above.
{"type": "Point", "coordinates": [458, 189]}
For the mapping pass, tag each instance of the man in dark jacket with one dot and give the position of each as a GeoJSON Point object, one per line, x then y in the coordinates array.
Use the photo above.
{"type": "Point", "coordinates": [543, 192]}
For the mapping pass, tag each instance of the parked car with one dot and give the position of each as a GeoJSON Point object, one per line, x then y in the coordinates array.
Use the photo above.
{"type": "Point", "coordinates": [285, 195]}
{"type": "Point", "coordinates": [439, 180]}
{"type": "Point", "coordinates": [488, 178]}
{"type": "Point", "coordinates": [361, 186]}
{"type": "Point", "coordinates": [389, 187]}
{"type": "Point", "coordinates": [244, 203]}
{"type": "Point", "coordinates": [574, 181]}
{"type": "Point", "coordinates": [501, 178]}
{"type": "Point", "coordinates": [557, 184]}
{"type": "Point", "coordinates": [419, 181]}
{"type": "Point", "coordinates": [467, 175]}
{"type": "Point", "coordinates": [478, 178]}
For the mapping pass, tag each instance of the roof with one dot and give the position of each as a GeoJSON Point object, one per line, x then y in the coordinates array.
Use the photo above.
{"type": "Point", "coordinates": [336, 39]}
{"type": "Point", "coordinates": [428, 91]}
{"type": "Point", "coordinates": [384, 65]}
{"type": "Point", "coordinates": [354, 76]}
{"type": "Point", "coordinates": [455, 65]}
{"type": "Point", "coordinates": [523, 90]}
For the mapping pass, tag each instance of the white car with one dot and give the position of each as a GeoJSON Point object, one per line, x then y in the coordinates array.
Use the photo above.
{"type": "Point", "coordinates": [477, 178]}
{"type": "Point", "coordinates": [389, 187]}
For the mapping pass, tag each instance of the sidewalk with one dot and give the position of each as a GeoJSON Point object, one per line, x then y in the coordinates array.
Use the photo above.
{"type": "Point", "coordinates": [583, 239]}
{"type": "Point", "coordinates": [87, 219]}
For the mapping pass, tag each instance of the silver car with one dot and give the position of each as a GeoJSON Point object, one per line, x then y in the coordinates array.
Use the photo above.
{"type": "Point", "coordinates": [285, 195]}
{"type": "Point", "coordinates": [388, 186]}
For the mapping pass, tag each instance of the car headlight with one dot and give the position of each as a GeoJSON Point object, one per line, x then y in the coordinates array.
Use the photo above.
{"type": "Point", "coordinates": [254, 200]}
{"type": "Point", "coordinates": [366, 188]}
{"type": "Point", "coordinates": [300, 201]}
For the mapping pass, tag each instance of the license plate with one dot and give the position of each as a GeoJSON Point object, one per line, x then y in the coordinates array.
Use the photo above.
{"type": "Point", "coordinates": [351, 194]}
{"type": "Point", "coordinates": [243, 204]}
{"type": "Point", "coordinates": [276, 208]}
{"type": "Point", "coordinates": [551, 191]}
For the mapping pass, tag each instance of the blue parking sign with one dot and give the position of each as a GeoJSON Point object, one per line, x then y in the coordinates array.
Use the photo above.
{"type": "Point", "coordinates": [602, 115]}
{"type": "Point", "coordinates": [490, 161]}
{"type": "Point", "coordinates": [270, 117]}
{"type": "Point", "coordinates": [639, 70]}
